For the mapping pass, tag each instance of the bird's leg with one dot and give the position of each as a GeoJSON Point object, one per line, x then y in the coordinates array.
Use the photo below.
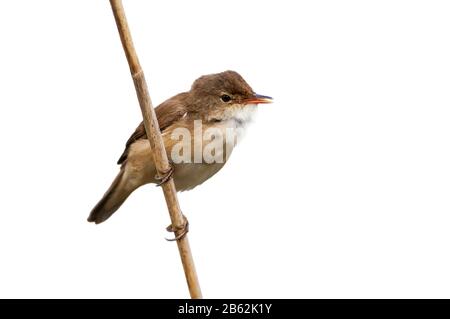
{"type": "Point", "coordinates": [183, 229]}
{"type": "Point", "coordinates": [165, 176]}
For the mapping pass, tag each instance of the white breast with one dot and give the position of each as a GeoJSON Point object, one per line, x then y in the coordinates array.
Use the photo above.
{"type": "Point", "coordinates": [240, 118]}
{"type": "Point", "coordinates": [232, 129]}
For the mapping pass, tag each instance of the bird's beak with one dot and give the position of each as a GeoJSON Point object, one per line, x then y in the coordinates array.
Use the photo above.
{"type": "Point", "coordinates": [258, 99]}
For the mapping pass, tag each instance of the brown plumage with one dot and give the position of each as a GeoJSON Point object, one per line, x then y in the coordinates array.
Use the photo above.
{"type": "Point", "coordinates": [222, 101]}
{"type": "Point", "coordinates": [167, 113]}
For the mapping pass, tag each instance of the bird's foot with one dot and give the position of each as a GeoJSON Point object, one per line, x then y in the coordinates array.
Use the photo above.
{"type": "Point", "coordinates": [165, 176]}
{"type": "Point", "coordinates": [182, 230]}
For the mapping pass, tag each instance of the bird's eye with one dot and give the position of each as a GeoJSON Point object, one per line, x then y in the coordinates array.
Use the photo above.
{"type": "Point", "coordinates": [225, 98]}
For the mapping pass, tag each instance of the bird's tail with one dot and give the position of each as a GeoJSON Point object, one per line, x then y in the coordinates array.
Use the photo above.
{"type": "Point", "coordinates": [114, 197]}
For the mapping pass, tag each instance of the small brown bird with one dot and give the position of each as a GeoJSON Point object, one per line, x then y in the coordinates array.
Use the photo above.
{"type": "Point", "coordinates": [209, 118]}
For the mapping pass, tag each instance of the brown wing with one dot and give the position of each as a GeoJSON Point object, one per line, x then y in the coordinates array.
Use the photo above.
{"type": "Point", "coordinates": [166, 113]}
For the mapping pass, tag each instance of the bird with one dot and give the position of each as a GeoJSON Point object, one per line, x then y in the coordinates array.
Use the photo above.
{"type": "Point", "coordinates": [216, 104]}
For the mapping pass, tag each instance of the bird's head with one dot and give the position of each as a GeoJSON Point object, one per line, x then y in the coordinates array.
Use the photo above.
{"type": "Point", "coordinates": [224, 95]}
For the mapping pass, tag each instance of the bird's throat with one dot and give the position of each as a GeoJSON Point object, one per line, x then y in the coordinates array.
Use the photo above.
{"type": "Point", "coordinates": [236, 115]}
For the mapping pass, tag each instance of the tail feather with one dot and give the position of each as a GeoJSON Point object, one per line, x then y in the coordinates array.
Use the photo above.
{"type": "Point", "coordinates": [114, 197]}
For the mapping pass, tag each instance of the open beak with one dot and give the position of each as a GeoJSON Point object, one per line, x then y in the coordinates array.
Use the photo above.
{"type": "Point", "coordinates": [259, 99]}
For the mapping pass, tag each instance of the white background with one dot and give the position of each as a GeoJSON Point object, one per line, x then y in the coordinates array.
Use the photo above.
{"type": "Point", "coordinates": [340, 188]}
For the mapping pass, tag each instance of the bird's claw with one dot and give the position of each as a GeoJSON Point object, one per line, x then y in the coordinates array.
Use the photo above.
{"type": "Point", "coordinates": [165, 176]}
{"type": "Point", "coordinates": [182, 230]}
